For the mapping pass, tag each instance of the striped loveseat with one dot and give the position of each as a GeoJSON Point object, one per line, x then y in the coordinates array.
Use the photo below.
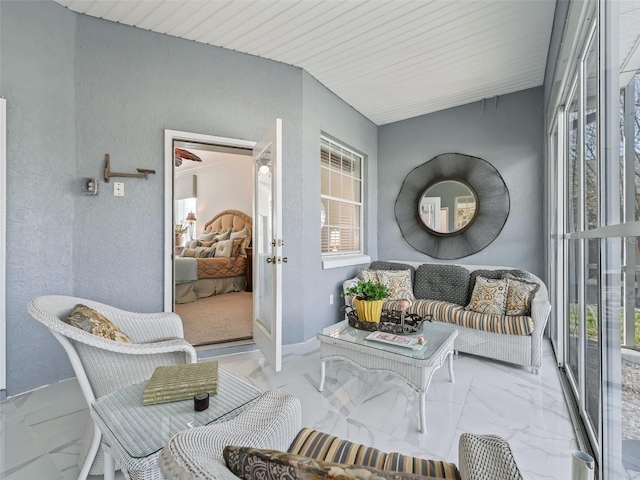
{"type": "Point", "coordinates": [443, 291]}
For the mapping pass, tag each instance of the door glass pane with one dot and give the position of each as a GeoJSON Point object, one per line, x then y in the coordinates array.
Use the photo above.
{"type": "Point", "coordinates": [592, 332]}
{"type": "Point", "coordinates": [573, 333]}
{"type": "Point", "coordinates": [264, 236]}
{"type": "Point", "coordinates": [591, 164]}
{"type": "Point", "coordinates": [573, 172]}
{"type": "Point", "coordinates": [553, 232]}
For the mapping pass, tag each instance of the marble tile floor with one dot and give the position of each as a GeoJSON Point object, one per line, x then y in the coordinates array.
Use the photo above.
{"type": "Point", "coordinates": [41, 431]}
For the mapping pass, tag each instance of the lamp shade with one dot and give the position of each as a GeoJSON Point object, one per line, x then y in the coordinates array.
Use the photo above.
{"type": "Point", "coordinates": [191, 217]}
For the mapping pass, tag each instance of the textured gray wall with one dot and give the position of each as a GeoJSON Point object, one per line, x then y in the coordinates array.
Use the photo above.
{"type": "Point", "coordinates": [324, 112]}
{"type": "Point", "coordinates": [131, 84]}
{"type": "Point", "coordinates": [510, 138]}
{"type": "Point", "coordinates": [36, 77]}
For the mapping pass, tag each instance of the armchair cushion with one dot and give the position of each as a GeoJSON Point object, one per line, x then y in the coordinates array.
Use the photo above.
{"type": "Point", "coordinates": [255, 464]}
{"type": "Point", "coordinates": [92, 321]}
{"type": "Point", "coordinates": [328, 448]}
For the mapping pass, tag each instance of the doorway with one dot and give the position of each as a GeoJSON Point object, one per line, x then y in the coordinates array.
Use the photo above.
{"type": "Point", "coordinates": [211, 211]}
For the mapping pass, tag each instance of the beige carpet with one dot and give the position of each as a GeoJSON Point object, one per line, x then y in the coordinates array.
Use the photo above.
{"type": "Point", "coordinates": [217, 319]}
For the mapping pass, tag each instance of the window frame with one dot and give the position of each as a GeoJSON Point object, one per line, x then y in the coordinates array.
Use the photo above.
{"type": "Point", "coordinates": [343, 259]}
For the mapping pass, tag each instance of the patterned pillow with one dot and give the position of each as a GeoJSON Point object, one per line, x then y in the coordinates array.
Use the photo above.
{"type": "Point", "coordinates": [236, 246]}
{"type": "Point", "coordinates": [204, 252]}
{"type": "Point", "coordinates": [255, 464]}
{"type": "Point", "coordinates": [519, 295]}
{"type": "Point", "coordinates": [224, 248]}
{"type": "Point", "coordinates": [245, 235]}
{"type": "Point", "coordinates": [191, 244]}
{"type": "Point", "coordinates": [188, 252]}
{"type": "Point", "coordinates": [382, 265]}
{"type": "Point", "coordinates": [89, 320]}
{"type": "Point", "coordinates": [489, 296]}
{"type": "Point", "coordinates": [205, 244]}
{"type": "Point", "coordinates": [398, 282]}
{"type": "Point", "coordinates": [493, 274]}
{"type": "Point", "coordinates": [215, 236]}
{"type": "Point", "coordinates": [368, 275]}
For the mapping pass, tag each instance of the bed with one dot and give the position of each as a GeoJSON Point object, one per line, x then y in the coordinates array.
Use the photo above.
{"type": "Point", "coordinates": [198, 275]}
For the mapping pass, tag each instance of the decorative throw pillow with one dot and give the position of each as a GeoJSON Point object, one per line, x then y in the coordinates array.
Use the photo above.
{"type": "Point", "coordinates": [215, 236]}
{"type": "Point", "coordinates": [398, 282]}
{"type": "Point", "coordinates": [188, 252]}
{"type": "Point", "coordinates": [255, 464]}
{"type": "Point", "coordinates": [236, 246]}
{"type": "Point", "coordinates": [382, 265]}
{"type": "Point", "coordinates": [368, 275]}
{"type": "Point", "coordinates": [205, 244]}
{"type": "Point", "coordinates": [493, 274]}
{"type": "Point", "coordinates": [245, 235]}
{"type": "Point", "coordinates": [489, 296]}
{"type": "Point", "coordinates": [519, 295]}
{"type": "Point", "coordinates": [204, 252]}
{"type": "Point", "coordinates": [191, 244]}
{"type": "Point", "coordinates": [224, 248]}
{"type": "Point", "coordinates": [92, 321]}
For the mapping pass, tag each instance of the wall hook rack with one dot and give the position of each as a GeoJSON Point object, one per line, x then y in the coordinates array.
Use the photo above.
{"type": "Point", "coordinates": [142, 172]}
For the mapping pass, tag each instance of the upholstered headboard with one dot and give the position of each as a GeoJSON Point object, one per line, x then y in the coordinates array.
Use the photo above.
{"type": "Point", "coordinates": [229, 218]}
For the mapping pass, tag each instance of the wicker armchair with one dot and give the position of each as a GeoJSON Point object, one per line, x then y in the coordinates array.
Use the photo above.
{"type": "Point", "coordinates": [273, 422]}
{"type": "Point", "coordinates": [103, 365]}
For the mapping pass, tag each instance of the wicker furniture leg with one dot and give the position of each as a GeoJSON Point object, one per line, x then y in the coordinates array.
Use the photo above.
{"type": "Point", "coordinates": [322, 374]}
{"type": "Point", "coordinates": [451, 377]}
{"type": "Point", "coordinates": [109, 466]}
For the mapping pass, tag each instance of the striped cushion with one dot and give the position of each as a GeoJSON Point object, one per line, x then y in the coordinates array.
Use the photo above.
{"type": "Point", "coordinates": [321, 446]}
{"type": "Point", "coordinates": [397, 462]}
{"type": "Point", "coordinates": [451, 313]}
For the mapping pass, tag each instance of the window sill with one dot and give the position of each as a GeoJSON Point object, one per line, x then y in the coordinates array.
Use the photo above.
{"type": "Point", "coordinates": [344, 261]}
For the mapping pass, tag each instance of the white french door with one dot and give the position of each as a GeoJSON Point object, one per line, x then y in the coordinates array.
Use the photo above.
{"type": "Point", "coordinates": [267, 247]}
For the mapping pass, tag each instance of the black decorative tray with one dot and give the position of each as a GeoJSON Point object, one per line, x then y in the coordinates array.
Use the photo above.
{"type": "Point", "coordinates": [390, 322]}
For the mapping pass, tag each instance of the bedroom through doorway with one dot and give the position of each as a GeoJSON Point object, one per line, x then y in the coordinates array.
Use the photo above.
{"type": "Point", "coordinates": [213, 196]}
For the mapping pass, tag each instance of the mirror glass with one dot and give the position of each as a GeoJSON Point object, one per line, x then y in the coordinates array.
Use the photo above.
{"type": "Point", "coordinates": [447, 206]}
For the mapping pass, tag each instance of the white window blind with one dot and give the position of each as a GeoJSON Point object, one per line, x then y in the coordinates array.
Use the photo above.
{"type": "Point", "coordinates": [341, 196]}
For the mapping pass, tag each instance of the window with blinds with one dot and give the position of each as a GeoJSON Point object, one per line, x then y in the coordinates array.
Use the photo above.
{"type": "Point", "coordinates": [341, 195]}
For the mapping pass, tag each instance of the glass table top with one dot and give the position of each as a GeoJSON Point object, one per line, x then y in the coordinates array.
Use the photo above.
{"type": "Point", "coordinates": [434, 333]}
{"type": "Point", "coordinates": [144, 430]}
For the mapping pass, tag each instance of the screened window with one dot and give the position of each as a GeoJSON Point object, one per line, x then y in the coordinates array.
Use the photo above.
{"type": "Point", "coordinates": [341, 196]}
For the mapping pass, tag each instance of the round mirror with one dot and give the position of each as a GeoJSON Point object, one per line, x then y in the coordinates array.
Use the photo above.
{"type": "Point", "coordinates": [447, 206]}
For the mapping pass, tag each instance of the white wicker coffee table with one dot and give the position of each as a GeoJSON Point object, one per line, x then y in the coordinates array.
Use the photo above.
{"type": "Point", "coordinates": [416, 367]}
{"type": "Point", "coordinates": [135, 433]}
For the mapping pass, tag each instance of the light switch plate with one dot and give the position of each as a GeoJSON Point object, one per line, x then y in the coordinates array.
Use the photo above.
{"type": "Point", "coordinates": [118, 189]}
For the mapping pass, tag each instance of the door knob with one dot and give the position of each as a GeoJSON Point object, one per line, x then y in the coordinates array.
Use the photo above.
{"type": "Point", "coordinates": [271, 259]}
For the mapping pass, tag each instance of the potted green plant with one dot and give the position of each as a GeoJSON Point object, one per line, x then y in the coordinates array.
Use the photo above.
{"type": "Point", "coordinates": [368, 298]}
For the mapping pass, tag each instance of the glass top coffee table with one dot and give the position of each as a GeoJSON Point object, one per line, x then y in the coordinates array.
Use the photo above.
{"type": "Point", "coordinates": [416, 367]}
{"type": "Point", "coordinates": [136, 433]}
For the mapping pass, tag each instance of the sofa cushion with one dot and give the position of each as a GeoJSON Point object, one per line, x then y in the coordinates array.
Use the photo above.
{"type": "Point", "coordinates": [452, 313]}
{"type": "Point", "coordinates": [489, 296]}
{"type": "Point", "coordinates": [321, 446]}
{"type": "Point", "coordinates": [437, 281]}
{"type": "Point", "coordinates": [257, 464]}
{"type": "Point", "coordinates": [494, 275]}
{"type": "Point", "coordinates": [382, 265]}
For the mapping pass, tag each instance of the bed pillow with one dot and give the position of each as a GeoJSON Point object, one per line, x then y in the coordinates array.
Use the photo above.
{"type": "Point", "coordinates": [224, 249]}
{"type": "Point", "coordinates": [205, 244]}
{"type": "Point", "coordinates": [204, 252]}
{"type": "Point", "coordinates": [214, 236]}
{"type": "Point", "coordinates": [191, 244]}
{"type": "Point", "coordinates": [489, 296]}
{"type": "Point", "coordinates": [236, 246]}
{"type": "Point", "coordinates": [188, 252]}
{"type": "Point", "coordinates": [245, 235]}
{"type": "Point", "coordinates": [92, 321]}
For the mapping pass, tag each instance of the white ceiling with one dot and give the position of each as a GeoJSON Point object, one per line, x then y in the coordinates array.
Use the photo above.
{"type": "Point", "coordinates": [389, 59]}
